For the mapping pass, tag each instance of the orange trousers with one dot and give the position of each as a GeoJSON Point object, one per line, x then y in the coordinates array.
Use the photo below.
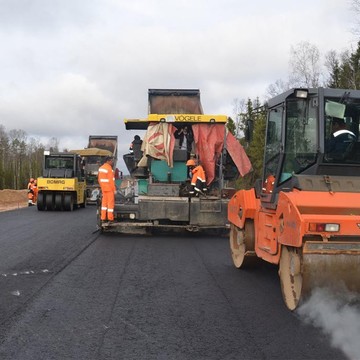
{"type": "Point", "coordinates": [107, 205]}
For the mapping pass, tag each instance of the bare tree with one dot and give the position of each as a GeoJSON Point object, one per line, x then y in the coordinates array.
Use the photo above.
{"type": "Point", "coordinates": [18, 155]}
{"type": "Point", "coordinates": [277, 88]}
{"type": "Point", "coordinates": [4, 151]}
{"type": "Point", "coordinates": [355, 6]}
{"type": "Point", "coordinates": [35, 153]}
{"type": "Point", "coordinates": [304, 65]}
{"type": "Point", "coordinates": [53, 144]}
{"type": "Point", "coordinates": [239, 107]}
{"type": "Point", "coordinates": [304, 68]}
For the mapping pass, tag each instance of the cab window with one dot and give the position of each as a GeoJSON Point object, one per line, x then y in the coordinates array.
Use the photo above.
{"type": "Point", "coordinates": [301, 137]}
{"type": "Point", "coordinates": [273, 146]}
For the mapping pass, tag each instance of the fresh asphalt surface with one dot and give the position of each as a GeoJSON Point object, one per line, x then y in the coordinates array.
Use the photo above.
{"type": "Point", "coordinates": [68, 292]}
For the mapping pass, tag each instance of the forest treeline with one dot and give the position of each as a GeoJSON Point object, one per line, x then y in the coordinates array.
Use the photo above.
{"type": "Point", "coordinates": [339, 70]}
{"type": "Point", "coordinates": [21, 157]}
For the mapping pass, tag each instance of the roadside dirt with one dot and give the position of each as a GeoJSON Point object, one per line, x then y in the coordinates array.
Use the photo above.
{"type": "Point", "coordinates": [13, 199]}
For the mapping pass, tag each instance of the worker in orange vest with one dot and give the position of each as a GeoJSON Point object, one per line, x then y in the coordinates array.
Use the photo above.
{"type": "Point", "coordinates": [35, 191]}
{"type": "Point", "coordinates": [106, 179]}
{"type": "Point", "coordinates": [30, 182]}
{"type": "Point", "coordinates": [198, 180]}
{"type": "Point", "coordinates": [268, 185]}
{"type": "Point", "coordinates": [31, 194]}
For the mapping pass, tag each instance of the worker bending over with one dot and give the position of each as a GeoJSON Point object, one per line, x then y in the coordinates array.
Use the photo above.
{"type": "Point", "coordinates": [198, 179]}
{"type": "Point", "coordinates": [106, 179]}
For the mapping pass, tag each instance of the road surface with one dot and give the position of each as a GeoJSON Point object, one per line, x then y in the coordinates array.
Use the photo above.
{"type": "Point", "coordinates": [68, 292]}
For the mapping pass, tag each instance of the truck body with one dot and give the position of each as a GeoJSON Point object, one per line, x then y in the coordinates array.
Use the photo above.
{"type": "Point", "coordinates": [156, 195]}
{"type": "Point", "coordinates": [62, 185]}
{"type": "Point", "coordinates": [304, 214]}
{"type": "Point", "coordinates": [99, 147]}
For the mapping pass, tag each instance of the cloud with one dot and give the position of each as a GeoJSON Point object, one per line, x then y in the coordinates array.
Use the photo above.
{"type": "Point", "coordinates": [41, 15]}
{"type": "Point", "coordinates": [67, 105]}
{"type": "Point", "coordinates": [75, 68]}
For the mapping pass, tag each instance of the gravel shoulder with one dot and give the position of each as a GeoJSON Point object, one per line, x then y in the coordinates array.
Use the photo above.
{"type": "Point", "coordinates": [13, 199]}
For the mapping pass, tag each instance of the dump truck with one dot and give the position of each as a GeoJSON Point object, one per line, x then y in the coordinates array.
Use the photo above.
{"type": "Point", "coordinates": [62, 185]}
{"type": "Point", "coordinates": [303, 215]}
{"type": "Point", "coordinates": [156, 194]}
{"type": "Point", "coordinates": [99, 147]}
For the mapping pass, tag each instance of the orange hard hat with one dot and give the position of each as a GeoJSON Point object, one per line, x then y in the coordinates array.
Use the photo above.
{"type": "Point", "coordinates": [190, 162]}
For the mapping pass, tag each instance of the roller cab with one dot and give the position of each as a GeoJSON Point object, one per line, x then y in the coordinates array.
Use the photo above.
{"type": "Point", "coordinates": [63, 185]}
{"type": "Point", "coordinates": [304, 214]}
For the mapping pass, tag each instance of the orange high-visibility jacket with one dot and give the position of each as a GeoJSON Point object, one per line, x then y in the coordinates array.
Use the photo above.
{"type": "Point", "coordinates": [106, 178]}
{"type": "Point", "coordinates": [198, 179]}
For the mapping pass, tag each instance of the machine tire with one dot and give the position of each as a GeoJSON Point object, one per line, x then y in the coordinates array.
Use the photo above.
{"type": "Point", "coordinates": [58, 201]}
{"type": "Point", "coordinates": [68, 202]}
{"type": "Point", "coordinates": [82, 205]}
{"type": "Point", "coordinates": [49, 201]}
{"type": "Point", "coordinates": [40, 202]}
{"type": "Point", "coordinates": [290, 276]}
{"type": "Point", "coordinates": [242, 244]}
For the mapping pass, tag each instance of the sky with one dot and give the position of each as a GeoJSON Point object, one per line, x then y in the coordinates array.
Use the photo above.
{"type": "Point", "coordinates": [74, 68]}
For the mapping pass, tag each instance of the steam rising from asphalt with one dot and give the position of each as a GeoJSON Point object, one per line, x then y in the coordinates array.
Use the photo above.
{"type": "Point", "coordinates": [338, 315]}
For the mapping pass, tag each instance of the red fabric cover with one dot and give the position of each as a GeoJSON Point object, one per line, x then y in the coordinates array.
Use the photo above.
{"type": "Point", "coordinates": [238, 154]}
{"type": "Point", "coordinates": [209, 142]}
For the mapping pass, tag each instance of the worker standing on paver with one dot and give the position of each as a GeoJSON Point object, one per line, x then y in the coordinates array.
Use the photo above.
{"type": "Point", "coordinates": [106, 179]}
